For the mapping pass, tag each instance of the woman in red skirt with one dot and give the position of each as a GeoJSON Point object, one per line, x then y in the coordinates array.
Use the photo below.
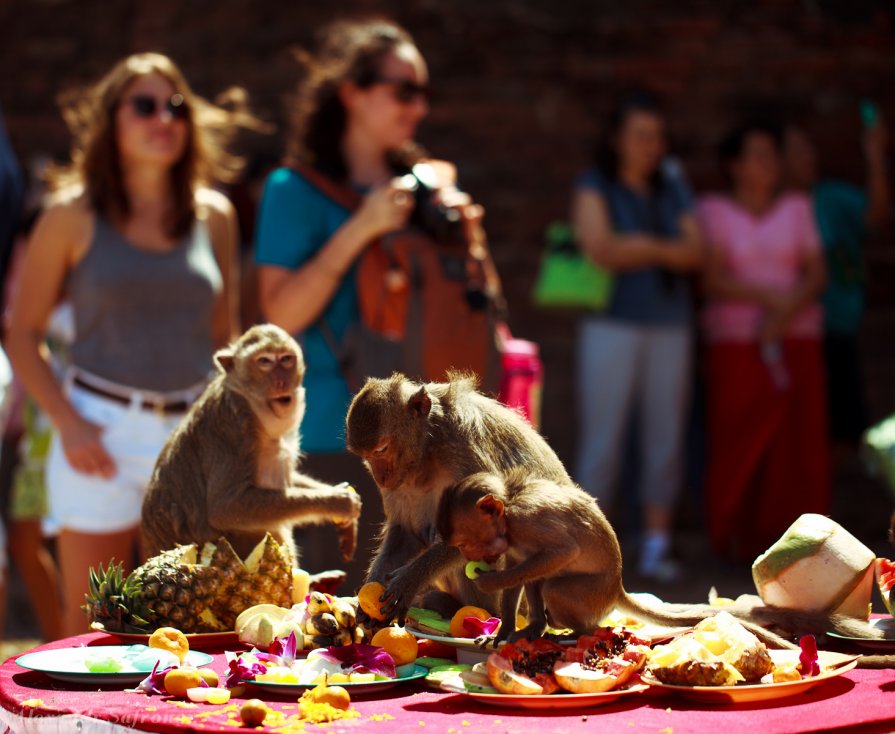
{"type": "Point", "coordinates": [767, 418]}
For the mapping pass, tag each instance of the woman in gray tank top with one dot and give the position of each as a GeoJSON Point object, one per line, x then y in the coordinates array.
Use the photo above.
{"type": "Point", "coordinates": [144, 252]}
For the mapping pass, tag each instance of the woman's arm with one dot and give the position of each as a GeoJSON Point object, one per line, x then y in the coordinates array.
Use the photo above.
{"type": "Point", "coordinates": [224, 231]}
{"type": "Point", "coordinates": [811, 284]}
{"type": "Point", "coordinates": [618, 252]}
{"type": "Point", "coordinates": [720, 284]}
{"type": "Point", "coordinates": [878, 191]}
{"type": "Point", "coordinates": [294, 299]}
{"type": "Point", "coordinates": [60, 237]}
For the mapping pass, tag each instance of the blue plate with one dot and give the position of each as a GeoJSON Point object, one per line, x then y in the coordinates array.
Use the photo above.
{"type": "Point", "coordinates": [359, 689]}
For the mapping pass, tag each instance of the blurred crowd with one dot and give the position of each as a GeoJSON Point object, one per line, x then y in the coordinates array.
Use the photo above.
{"type": "Point", "coordinates": [129, 265]}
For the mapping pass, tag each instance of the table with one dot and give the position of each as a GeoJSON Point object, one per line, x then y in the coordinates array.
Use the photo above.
{"type": "Point", "coordinates": [860, 700]}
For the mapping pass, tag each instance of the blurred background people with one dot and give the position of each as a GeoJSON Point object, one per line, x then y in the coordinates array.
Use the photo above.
{"type": "Point", "coordinates": [633, 215]}
{"type": "Point", "coordinates": [846, 216]}
{"type": "Point", "coordinates": [768, 456]}
{"type": "Point", "coordinates": [355, 118]}
{"type": "Point", "coordinates": [145, 254]}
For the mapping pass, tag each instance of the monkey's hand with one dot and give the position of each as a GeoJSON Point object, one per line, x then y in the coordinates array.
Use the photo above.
{"type": "Point", "coordinates": [406, 582]}
{"type": "Point", "coordinates": [347, 534]}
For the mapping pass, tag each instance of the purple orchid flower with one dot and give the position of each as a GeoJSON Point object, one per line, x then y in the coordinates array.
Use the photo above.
{"type": "Point", "coordinates": [808, 659]}
{"type": "Point", "coordinates": [154, 683]}
{"type": "Point", "coordinates": [242, 668]}
{"type": "Point", "coordinates": [361, 659]}
{"type": "Point", "coordinates": [284, 649]}
{"type": "Point", "coordinates": [475, 627]}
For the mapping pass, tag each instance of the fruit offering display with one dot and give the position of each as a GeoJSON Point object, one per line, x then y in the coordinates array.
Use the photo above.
{"type": "Point", "coordinates": [719, 652]}
{"type": "Point", "coordinates": [603, 661]}
{"type": "Point", "coordinates": [321, 620]}
{"type": "Point", "coordinates": [350, 663]}
{"type": "Point", "coordinates": [190, 590]}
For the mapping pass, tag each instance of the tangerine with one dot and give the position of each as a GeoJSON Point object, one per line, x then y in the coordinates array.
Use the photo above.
{"type": "Point", "coordinates": [335, 696]}
{"type": "Point", "coordinates": [457, 628]}
{"type": "Point", "coordinates": [368, 599]}
{"type": "Point", "coordinates": [398, 643]}
{"type": "Point", "coordinates": [177, 681]}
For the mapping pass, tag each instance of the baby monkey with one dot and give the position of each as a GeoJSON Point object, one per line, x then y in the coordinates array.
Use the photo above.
{"type": "Point", "coordinates": [560, 549]}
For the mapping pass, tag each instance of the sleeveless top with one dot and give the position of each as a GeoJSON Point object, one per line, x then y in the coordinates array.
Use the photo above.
{"type": "Point", "coordinates": [143, 318]}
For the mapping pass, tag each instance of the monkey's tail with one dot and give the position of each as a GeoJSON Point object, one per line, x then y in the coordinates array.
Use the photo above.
{"type": "Point", "coordinates": [691, 614]}
{"type": "Point", "coordinates": [815, 623]}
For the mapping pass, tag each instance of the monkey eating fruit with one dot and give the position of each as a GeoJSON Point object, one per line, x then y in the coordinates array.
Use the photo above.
{"type": "Point", "coordinates": [417, 440]}
{"type": "Point", "coordinates": [561, 551]}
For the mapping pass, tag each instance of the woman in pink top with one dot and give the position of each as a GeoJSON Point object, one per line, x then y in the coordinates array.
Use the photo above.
{"type": "Point", "coordinates": [768, 453]}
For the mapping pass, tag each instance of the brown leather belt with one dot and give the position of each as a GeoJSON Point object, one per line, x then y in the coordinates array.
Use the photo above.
{"type": "Point", "coordinates": [157, 406]}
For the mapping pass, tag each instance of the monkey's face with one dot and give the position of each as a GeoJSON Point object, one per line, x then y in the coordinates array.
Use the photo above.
{"type": "Point", "coordinates": [387, 426]}
{"type": "Point", "coordinates": [479, 536]}
{"type": "Point", "coordinates": [266, 367]}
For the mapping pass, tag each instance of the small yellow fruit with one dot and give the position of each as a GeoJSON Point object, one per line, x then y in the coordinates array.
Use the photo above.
{"type": "Point", "coordinates": [210, 677]}
{"type": "Point", "coordinates": [457, 629]}
{"type": "Point", "coordinates": [253, 712]}
{"type": "Point", "coordinates": [177, 681]}
{"type": "Point", "coordinates": [398, 643]}
{"type": "Point", "coordinates": [335, 696]}
{"type": "Point", "coordinates": [368, 599]}
{"type": "Point", "coordinates": [170, 639]}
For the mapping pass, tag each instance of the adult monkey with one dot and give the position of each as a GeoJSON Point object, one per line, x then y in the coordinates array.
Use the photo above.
{"type": "Point", "coordinates": [417, 440]}
{"type": "Point", "coordinates": [231, 466]}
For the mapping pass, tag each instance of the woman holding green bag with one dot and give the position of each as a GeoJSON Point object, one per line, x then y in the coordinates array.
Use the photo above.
{"type": "Point", "coordinates": [633, 216]}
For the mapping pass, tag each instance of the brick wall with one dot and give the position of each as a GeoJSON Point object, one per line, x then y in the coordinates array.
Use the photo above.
{"type": "Point", "coordinates": [520, 88]}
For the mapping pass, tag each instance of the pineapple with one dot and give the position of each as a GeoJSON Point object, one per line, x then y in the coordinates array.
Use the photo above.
{"type": "Point", "coordinates": [192, 592]}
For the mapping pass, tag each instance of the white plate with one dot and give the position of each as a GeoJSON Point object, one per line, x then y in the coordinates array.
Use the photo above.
{"type": "Point", "coordinates": [359, 689]}
{"type": "Point", "coordinates": [885, 624]}
{"type": "Point", "coordinates": [67, 664]}
{"type": "Point", "coordinates": [555, 700]}
{"type": "Point", "coordinates": [751, 692]}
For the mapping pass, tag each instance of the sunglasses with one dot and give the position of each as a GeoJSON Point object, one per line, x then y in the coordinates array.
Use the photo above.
{"type": "Point", "coordinates": [146, 106]}
{"type": "Point", "coordinates": [405, 91]}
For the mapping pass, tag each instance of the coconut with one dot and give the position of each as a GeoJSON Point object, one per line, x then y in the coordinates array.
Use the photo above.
{"type": "Point", "coordinates": [817, 566]}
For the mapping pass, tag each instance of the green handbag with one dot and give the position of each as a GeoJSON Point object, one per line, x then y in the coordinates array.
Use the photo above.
{"type": "Point", "coordinates": [878, 450]}
{"type": "Point", "coordinates": [568, 279]}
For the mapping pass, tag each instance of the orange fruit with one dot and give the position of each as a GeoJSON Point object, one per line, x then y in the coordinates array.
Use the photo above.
{"type": "Point", "coordinates": [368, 599]}
{"type": "Point", "coordinates": [398, 643]}
{"type": "Point", "coordinates": [457, 629]}
{"type": "Point", "coordinates": [210, 677]}
{"type": "Point", "coordinates": [177, 681]}
{"type": "Point", "coordinates": [335, 696]}
{"type": "Point", "coordinates": [253, 712]}
{"type": "Point", "coordinates": [170, 639]}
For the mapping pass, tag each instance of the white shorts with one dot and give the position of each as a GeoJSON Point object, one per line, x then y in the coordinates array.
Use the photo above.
{"type": "Point", "coordinates": [134, 437]}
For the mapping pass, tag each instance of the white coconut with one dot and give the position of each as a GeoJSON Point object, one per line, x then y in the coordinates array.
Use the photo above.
{"type": "Point", "coordinates": [817, 566]}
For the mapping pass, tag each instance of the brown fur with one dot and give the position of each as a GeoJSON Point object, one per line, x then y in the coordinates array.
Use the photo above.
{"type": "Point", "coordinates": [417, 440]}
{"type": "Point", "coordinates": [562, 551]}
{"type": "Point", "coordinates": [230, 468]}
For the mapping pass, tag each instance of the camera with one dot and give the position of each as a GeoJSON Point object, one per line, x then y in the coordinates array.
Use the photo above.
{"type": "Point", "coordinates": [442, 223]}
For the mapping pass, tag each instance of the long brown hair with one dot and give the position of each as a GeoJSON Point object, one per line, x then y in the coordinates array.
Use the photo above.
{"type": "Point", "coordinates": [347, 50]}
{"type": "Point", "coordinates": [95, 160]}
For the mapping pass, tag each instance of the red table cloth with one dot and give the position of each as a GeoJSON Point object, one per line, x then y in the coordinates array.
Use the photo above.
{"type": "Point", "coordinates": [860, 700]}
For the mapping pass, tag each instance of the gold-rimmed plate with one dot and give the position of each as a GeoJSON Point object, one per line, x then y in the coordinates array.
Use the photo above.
{"type": "Point", "coordinates": [832, 666]}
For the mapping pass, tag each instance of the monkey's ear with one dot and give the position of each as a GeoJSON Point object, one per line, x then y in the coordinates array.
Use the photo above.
{"type": "Point", "coordinates": [223, 358]}
{"type": "Point", "coordinates": [490, 505]}
{"type": "Point", "coordinates": [420, 403]}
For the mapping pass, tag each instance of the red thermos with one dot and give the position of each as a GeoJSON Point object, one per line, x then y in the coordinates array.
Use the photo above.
{"type": "Point", "coordinates": [521, 379]}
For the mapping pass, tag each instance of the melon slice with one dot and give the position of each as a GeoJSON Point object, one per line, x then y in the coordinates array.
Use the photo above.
{"type": "Point", "coordinates": [817, 566]}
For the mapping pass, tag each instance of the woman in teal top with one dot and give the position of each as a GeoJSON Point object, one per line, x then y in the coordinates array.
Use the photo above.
{"type": "Point", "coordinates": [355, 118]}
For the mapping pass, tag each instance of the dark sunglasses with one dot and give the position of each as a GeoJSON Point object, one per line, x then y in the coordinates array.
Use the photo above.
{"type": "Point", "coordinates": [405, 90]}
{"type": "Point", "coordinates": [146, 106]}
